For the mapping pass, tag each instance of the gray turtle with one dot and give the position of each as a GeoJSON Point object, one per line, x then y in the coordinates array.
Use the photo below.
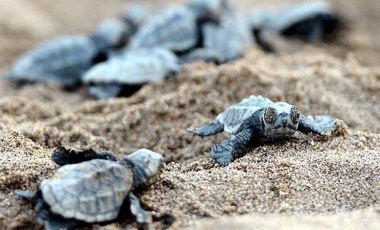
{"type": "Point", "coordinates": [92, 187]}
{"type": "Point", "coordinates": [231, 37]}
{"type": "Point", "coordinates": [310, 21]}
{"type": "Point", "coordinates": [111, 33]}
{"type": "Point", "coordinates": [135, 15]}
{"type": "Point", "coordinates": [61, 60]}
{"type": "Point", "coordinates": [177, 28]}
{"type": "Point", "coordinates": [130, 71]}
{"type": "Point", "coordinates": [259, 119]}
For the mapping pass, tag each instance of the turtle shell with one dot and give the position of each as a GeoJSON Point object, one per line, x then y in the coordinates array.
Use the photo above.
{"type": "Point", "coordinates": [111, 33]}
{"type": "Point", "coordinates": [174, 29]}
{"type": "Point", "coordinates": [62, 60]}
{"type": "Point", "coordinates": [136, 67]}
{"type": "Point", "coordinates": [91, 191]}
{"type": "Point", "coordinates": [231, 37]}
{"type": "Point", "coordinates": [234, 115]}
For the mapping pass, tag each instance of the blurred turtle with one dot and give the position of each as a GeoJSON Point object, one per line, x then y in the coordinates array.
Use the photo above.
{"type": "Point", "coordinates": [135, 15]}
{"type": "Point", "coordinates": [203, 54]}
{"type": "Point", "coordinates": [311, 21]}
{"type": "Point", "coordinates": [111, 33]}
{"type": "Point", "coordinates": [93, 187]}
{"type": "Point", "coordinates": [256, 119]}
{"type": "Point", "coordinates": [129, 71]}
{"type": "Point", "coordinates": [231, 37]}
{"type": "Point", "coordinates": [65, 59]}
{"type": "Point", "coordinates": [62, 60]}
{"type": "Point", "coordinates": [177, 28]}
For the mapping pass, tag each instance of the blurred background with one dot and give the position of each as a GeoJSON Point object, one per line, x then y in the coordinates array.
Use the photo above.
{"type": "Point", "coordinates": [24, 24]}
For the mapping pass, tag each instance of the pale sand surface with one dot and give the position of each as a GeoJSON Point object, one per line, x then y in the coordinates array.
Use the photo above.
{"type": "Point", "coordinates": [306, 183]}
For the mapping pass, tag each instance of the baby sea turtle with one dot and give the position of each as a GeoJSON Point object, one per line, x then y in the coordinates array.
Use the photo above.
{"type": "Point", "coordinates": [61, 60]}
{"type": "Point", "coordinates": [135, 15]}
{"type": "Point", "coordinates": [92, 187]}
{"type": "Point", "coordinates": [177, 28]}
{"type": "Point", "coordinates": [231, 37]}
{"type": "Point", "coordinates": [111, 33]}
{"type": "Point", "coordinates": [131, 69]}
{"type": "Point", "coordinates": [310, 21]}
{"type": "Point", "coordinates": [258, 119]}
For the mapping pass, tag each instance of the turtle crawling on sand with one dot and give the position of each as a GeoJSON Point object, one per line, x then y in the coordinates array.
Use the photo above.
{"type": "Point", "coordinates": [92, 187]}
{"type": "Point", "coordinates": [258, 119]}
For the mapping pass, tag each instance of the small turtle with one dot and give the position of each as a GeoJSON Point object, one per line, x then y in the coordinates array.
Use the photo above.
{"type": "Point", "coordinates": [259, 119]}
{"type": "Point", "coordinates": [231, 37]}
{"type": "Point", "coordinates": [310, 21]}
{"type": "Point", "coordinates": [111, 33]}
{"type": "Point", "coordinates": [177, 28]}
{"type": "Point", "coordinates": [92, 187]}
{"type": "Point", "coordinates": [61, 60]}
{"type": "Point", "coordinates": [135, 15]}
{"type": "Point", "coordinates": [131, 70]}
{"type": "Point", "coordinates": [204, 54]}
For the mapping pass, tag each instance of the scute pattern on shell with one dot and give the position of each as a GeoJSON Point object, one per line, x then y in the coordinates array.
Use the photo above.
{"type": "Point", "coordinates": [234, 115]}
{"type": "Point", "coordinates": [60, 60]}
{"type": "Point", "coordinates": [91, 191]}
{"type": "Point", "coordinates": [174, 28]}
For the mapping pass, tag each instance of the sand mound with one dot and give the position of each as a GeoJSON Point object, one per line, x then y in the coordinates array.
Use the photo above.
{"type": "Point", "coordinates": [308, 174]}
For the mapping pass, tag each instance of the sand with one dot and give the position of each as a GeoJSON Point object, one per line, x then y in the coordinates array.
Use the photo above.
{"type": "Point", "coordinates": [308, 182]}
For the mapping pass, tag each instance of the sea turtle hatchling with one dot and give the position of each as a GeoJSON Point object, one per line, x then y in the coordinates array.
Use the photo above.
{"type": "Point", "coordinates": [310, 21]}
{"type": "Point", "coordinates": [259, 119]}
{"type": "Point", "coordinates": [177, 28]}
{"type": "Point", "coordinates": [131, 70]}
{"type": "Point", "coordinates": [62, 60]}
{"type": "Point", "coordinates": [92, 187]}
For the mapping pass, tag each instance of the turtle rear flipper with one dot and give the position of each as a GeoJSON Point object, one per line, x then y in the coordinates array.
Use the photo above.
{"type": "Point", "coordinates": [142, 216]}
{"type": "Point", "coordinates": [64, 156]}
{"type": "Point", "coordinates": [207, 130]}
{"type": "Point", "coordinates": [321, 124]}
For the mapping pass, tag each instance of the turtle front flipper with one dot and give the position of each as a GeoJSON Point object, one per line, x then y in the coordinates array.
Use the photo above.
{"type": "Point", "coordinates": [142, 216]}
{"type": "Point", "coordinates": [64, 156]}
{"type": "Point", "coordinates": [207, 130]}
{"type": "Point", "coordinates": [229, 150]}
{"type": "Point", "coordinates": [321, 124]}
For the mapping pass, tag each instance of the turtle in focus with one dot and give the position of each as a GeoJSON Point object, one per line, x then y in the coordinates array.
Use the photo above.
{"type": "Point", "coordinates": [311, 21]}
{"type": "Point", "coordinates": [124, 74]}
{"type": "Point", "coordinates": [177, 28]}
{"type": "Point", "coordinates": [257, 119]}
{"type": "Point", "coordinates": [93, 187]}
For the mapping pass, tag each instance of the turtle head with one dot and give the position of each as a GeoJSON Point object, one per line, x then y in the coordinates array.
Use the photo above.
{"type": "Point", "coordinates": [147, 165]}
{"type": "Point", "coordinates": [280, 120]}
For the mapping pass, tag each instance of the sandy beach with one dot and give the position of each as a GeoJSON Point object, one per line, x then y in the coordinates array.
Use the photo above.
{"type": "Point", "coordinates": [309, 182]}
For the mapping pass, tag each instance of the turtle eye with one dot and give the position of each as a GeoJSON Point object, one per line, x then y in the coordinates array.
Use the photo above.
{"type": "Point", "coordinates": [270, 115]}
{"type": "Point", "coordinates": [295, 115]}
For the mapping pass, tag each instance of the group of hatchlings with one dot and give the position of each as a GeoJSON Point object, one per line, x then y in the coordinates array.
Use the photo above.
{"type": "Point", "coordinates": [124, 53]}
